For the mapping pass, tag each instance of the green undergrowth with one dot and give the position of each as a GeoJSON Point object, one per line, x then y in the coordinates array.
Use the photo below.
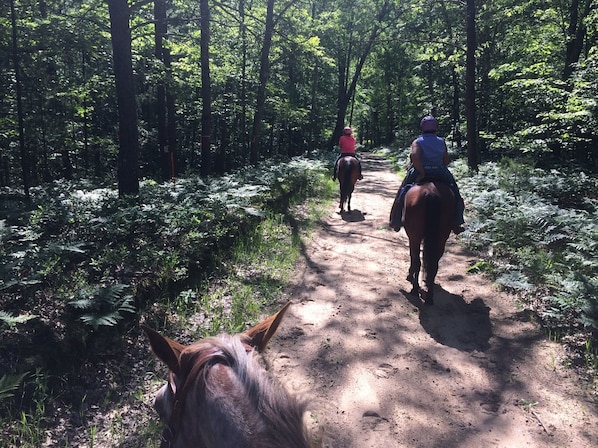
{"type": "Point", "coordinates": [82, 267]}
{"type": "Point", "coordinates": [537, 230]}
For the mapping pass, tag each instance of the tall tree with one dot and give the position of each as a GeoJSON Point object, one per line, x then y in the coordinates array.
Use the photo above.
{"type": "Point", "coordinates": [350, 65]}
{"type": "Point", "coordinates": [164, 98]}
{"type": "Point", "coordinates": [18, 88]}
{"type": "Point", "coordinates": [206, 90]}
{"type": "Point", "coordinates": [575, 33]}
{"type": "Point", "coordinates": [473, 154]}
{"type": "Point", "coordinates": [263, 81]}
{"type": "Point", "coordinates": [128, 134]}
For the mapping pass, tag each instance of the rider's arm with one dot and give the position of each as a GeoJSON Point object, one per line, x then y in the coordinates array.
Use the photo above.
{"type": "Point", "coordinates": [416, 159]}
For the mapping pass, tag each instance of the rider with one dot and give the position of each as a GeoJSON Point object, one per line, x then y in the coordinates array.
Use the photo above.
{"type": "Point", "coordinates": [429, 158]}
{"type": "Point", "coordinates": [347, 146]}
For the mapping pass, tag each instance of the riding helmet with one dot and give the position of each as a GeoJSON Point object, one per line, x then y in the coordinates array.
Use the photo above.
{"type": "Point", "coordinates": [429, 124]}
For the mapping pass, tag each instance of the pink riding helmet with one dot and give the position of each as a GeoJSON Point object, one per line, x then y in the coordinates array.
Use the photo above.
{"type": "Point", "coordinates": [428, 124]}
{"type": "Point", "coordinates": [347, 130]}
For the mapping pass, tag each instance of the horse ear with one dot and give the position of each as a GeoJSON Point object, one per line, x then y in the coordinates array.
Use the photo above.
{"type": "Point", "coordinates": [165, 349]}
{"type": "Point", "coordinates": [259, 336]}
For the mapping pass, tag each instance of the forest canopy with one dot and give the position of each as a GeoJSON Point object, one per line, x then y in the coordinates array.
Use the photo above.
{"type": "Point", "coordinates": [216, 85]}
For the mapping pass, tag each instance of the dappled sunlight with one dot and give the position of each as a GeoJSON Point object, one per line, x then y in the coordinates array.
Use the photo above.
{"type": "Point", "coordinates": [380, 366]}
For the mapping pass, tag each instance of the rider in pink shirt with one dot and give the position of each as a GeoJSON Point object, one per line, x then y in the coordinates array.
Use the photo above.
{"type": "Point", "coordinates": [347, 146]}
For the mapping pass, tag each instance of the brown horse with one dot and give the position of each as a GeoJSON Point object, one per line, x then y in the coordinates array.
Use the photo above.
{"type": "Point", "coordinates": [428, 217]}
{"type": "Point", "coordinates": [220, 396]}
{"type": "Point", "coordinates": [348, 173]}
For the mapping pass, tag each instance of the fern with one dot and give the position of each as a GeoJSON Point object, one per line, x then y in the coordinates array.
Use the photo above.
{"type": "Point", "coordinates": [9, 383]}
{"type": "Point", "coordinates": [105, 306]}
{"type": "Point", "coordinates": [574, 302]}
{"type": "Point", "coordinates": [515, 280]}
{"type": "Point", "coordinates": [11, 320]}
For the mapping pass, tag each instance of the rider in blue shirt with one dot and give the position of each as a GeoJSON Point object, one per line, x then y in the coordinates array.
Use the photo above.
{"type": "Point", "coordinates": [429, 158]}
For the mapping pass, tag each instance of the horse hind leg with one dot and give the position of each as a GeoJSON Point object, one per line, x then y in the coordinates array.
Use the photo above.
{"type": "Point", "coordinates": [412, 278]}
{"type": "Point", "coordinates": [431, 269]}
{"type": "Point", "coordinates": [428, 295]}
{"type": "Point", "coordinates": [342, 202]}
{"type": "Point", "coordinates": [414, 268]}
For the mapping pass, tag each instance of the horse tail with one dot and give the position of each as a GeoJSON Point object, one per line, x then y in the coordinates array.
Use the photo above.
{"type": "Point", "coordinates": [347, 183]}
{"type": "Point", "coordinates": [432, 231]}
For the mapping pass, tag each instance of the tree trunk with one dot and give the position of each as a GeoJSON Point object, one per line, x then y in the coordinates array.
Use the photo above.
{"type": "Point", "coordinates": [171, 120]}
{"type": "Point", "coordinates": [456, 108]}
{"type": "Point", "coordinates": [128, 156]}
{"type": "Point", "coordinates": [347, 89]}
{"type": "Point", "coordinates": [243, 99]}
{"type": "Point", "coordinates": [160, 30]}
{"type": "Point", "coordinates": [206, 91]}
{"type": "Point", "coordinates": [313, 110]}
{"type": "Point", "coordinates": [19, 91]}
{"type": "Point", "coordinates": [473, 155]}
{"type": "Point", "coordinates": [261, 91]}
{"type": "Point", "coordinates": [575, 35]}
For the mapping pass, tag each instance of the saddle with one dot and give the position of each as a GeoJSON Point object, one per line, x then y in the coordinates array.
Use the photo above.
{"type": "Point", "coordinates": [429, 178]}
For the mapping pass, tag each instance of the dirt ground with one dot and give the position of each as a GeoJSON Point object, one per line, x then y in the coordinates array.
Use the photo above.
{"type": "Point", "coordinates": [385, 371]}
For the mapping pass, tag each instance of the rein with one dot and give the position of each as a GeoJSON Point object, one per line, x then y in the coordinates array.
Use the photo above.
{"type": "Point", "coordinates": [202, 361]}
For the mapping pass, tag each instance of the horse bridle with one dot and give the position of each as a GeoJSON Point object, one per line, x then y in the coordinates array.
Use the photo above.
{"type": "Point", "coordinates": [170, 429]}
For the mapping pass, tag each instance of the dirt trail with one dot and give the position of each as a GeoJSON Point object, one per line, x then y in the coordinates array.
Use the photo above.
{"type": "Point", "coordinates": [385, 371]}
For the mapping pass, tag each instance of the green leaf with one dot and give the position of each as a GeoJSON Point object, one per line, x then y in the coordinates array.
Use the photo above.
{"type": "Point", "coordinates": [9, 383]}
{"type": "Point", "coordinates": [11, 320]}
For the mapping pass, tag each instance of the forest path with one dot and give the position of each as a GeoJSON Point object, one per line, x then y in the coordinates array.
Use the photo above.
{"type": "Point", "coordinates": [385, 371]}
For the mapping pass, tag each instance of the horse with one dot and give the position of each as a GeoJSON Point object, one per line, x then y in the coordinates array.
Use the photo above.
{"type": "Point", "coordinates": [348, 173]}
{"type": "Point", "coordinates": [428, 217]}
{"type": "Point", "coordinates": [220, 396]}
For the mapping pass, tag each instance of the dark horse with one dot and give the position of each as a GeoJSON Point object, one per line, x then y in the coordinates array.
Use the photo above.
{"type": "Point", "coordinates": [348, 173]}
{"type": "Point", "coordinates": [428, 216]}
{"type": "Point", "coordinates": [220, 396]}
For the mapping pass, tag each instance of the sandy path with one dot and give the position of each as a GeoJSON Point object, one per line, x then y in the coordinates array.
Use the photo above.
{"type": "Point", "coordinates": [384, 371]}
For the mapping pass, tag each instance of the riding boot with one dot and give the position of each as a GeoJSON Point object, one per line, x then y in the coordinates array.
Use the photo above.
{"type": "Point", "coordinates": [397, 216]}
{"type": "Point", "coordinates": [395, 222]}
{"type": "Point", "coordinates": [459, 209]}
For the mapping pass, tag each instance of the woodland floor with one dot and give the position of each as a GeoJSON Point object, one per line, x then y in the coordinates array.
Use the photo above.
{"type": "Point", "coordinates": [383, 370]}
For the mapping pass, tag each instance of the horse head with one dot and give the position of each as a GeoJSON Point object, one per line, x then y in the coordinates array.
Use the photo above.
{"type": "Point", "coordinates": [220, 396]}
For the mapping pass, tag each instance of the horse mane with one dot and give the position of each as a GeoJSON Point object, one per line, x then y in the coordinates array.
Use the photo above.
{"type": "Point", "coordinates": [264, 414]}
